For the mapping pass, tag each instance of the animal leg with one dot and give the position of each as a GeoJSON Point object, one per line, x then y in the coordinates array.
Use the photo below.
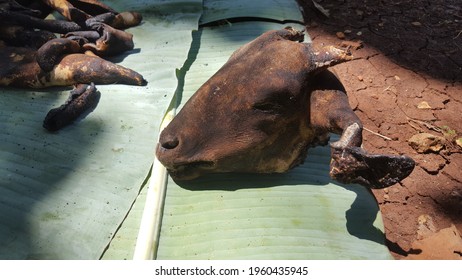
{"type": "Point", "coordinates": [330, 111]}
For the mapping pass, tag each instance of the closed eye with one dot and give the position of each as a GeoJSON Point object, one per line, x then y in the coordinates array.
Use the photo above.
{"type": "Point", "coordinates": [268, 107]}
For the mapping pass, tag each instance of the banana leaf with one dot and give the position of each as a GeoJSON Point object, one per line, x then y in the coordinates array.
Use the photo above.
{"type": "Point", "coordinates": [262, 10]}
{"type": "Point", "coordinates": [63, 195]}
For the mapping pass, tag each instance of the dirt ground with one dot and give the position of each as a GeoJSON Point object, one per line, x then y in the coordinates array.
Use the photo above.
{"type": "Point", "coordinates": [406, 79]}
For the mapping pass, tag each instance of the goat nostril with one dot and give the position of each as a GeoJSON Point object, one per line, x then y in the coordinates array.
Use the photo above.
{"type": "Point", "coordinates": [170, 143]}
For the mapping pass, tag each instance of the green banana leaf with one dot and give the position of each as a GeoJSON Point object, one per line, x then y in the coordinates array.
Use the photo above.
{"type": "Point", "coordinates": [262, 10]}
{"type": "Point", "coordinates": [63, 195]}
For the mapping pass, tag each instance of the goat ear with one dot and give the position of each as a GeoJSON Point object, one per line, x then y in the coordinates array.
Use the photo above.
{"type": "Point", "coordinates": [330, 109]}
{"type": "Point", "coordinates": [327, 80]}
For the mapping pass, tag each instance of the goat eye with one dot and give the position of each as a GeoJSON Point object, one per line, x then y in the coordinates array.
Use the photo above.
{"type": "Point", "coordinates": [268, 107]}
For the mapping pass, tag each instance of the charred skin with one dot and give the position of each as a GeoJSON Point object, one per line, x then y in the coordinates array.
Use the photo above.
{"type": "Point", "coordinates": [56, 26]}
{"type": "Point", "coordinates": [19, 68]}
{"type": "Point", "coordinates": [121, 20]}
{"type": "Point", "coordinates": [126, 20]}
{"type": "Point", "coordinates": [85, 36]}
{"type": "Point", "coordinates": [67, 10]}
{"type": "Point", "coordinates": [82, 100]}
{"type": "Point", "coordinates": [81, 68]}
{"type": "Point", "coordinates": [80, 10]}
{"type": "Point", "coordinates": [85, 12]}
{"type": "Point", "coordinates": [52, 51]}
{"type": "Point", "coordinates": [111, 41]}
{"type": "Point", "coordinates": [19, 36]}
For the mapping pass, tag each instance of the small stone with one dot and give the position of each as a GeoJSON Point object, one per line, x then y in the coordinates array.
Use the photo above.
{"type": "Point", "coordinates": [426, 142]}
{"type": "Point", "coordinates": [360, 78]}
{"type": "Point", "coordinates": [459, 142]}
{"type": "Point", "coordinates": [397, 78]}
{"type": "Point", "coordinates": [426, 227]}
{"type": "Point", "coordinates": [340, 35]}
{"type": "Point", "coordinates": [356, 45]}
{"type": "Point", "coordinates": [424, 105]}
{"type": "Point", "coordinates": [416, 23]}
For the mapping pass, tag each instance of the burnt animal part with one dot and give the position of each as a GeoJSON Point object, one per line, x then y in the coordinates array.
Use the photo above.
{"type": "Point", "coordinates": [96, 38]}
{"type": "Point", "coordinates": [19, 68]}
{"type": "Point", "coordinates": [25, 20]}
{"type": "Point", "coordinates": [52, 51]}
{"type": "Point", "coordinates": [110, 42]}
{"type": "Point", "coordinates": [79, 10]}
{"type": "Point", "coordinates": [19, 36]}
{"type": "Point", "coordinates": [31, 55]}
{"type": "Point", "coordinates": [271, 101]}
{"type": "Point", "coordinates": [82, 101]}
{"type": "Point", "coordinates": [121, 20]}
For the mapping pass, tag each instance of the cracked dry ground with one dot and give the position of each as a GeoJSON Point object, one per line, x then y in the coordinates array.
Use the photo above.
{"type": "Point", "coordinates": [406, 79]}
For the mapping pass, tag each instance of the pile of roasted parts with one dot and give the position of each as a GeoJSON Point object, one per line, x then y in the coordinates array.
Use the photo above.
{"type": "Point", "coordinates": [37, 52]}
